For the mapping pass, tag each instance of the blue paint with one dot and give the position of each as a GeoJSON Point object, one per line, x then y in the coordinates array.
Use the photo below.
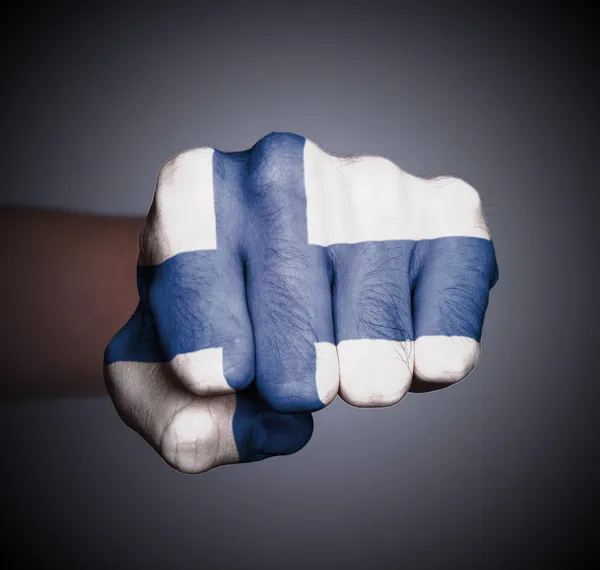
{"type": "Point", "coordinates": [404, 289]}
{"type": "Point", "coordinates": [259, 432]}
{"type": "Point", "coordinates": [288, 281]}
{"type": "Point", "coordinates": [266, 296]}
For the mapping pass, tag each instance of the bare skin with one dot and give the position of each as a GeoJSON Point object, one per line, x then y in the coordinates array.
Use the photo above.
{"type": "Point", "coordinates": [69, 283]}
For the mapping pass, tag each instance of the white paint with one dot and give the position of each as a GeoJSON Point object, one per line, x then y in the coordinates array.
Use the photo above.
{"type": "Point", "coordinates": [374, 372]}
{"type": "Point", "coordinates": [182, 216]}
{"type": "Point", "coordinates": [349, 200]}
{"type": "Point", "coordinates": [328, 372]}
{"type": "Point", "coordinates": [202, 371]}
{"type": "Point", "coordinates": [192, 434]}
{"type": "Point", "coordinates": [200, 437]}
{"type": "Point", "coordinates": [445, 358]}
{"type": "Point", "coordinates": [369, 198]}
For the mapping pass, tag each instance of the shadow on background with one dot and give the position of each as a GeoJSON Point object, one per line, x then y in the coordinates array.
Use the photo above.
{"type": "Point", "coordinates": [495, 472]}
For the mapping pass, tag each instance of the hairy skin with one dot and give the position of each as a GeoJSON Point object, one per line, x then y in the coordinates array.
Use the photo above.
{"type": "Point", "coordinates": [278, 277]}
{"type": "Point", "coordinates": [236, 333]}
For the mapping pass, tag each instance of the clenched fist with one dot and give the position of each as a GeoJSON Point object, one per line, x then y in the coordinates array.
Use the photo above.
{"type": "Point", "coordinates": [271, 280]}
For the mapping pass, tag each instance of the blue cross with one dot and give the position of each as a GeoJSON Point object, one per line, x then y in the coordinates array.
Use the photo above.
{"type": "Point", "coordinates": [266, 295]}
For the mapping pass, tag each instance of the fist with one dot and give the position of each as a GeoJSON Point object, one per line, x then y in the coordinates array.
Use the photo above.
{"type": "Point", "coordinates": [272, 279]}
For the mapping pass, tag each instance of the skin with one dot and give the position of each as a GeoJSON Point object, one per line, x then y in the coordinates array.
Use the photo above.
{"type": "Point", "coordinates": [72, 285]}
{"type": "Point", "coordinates": [268, 283]}
{"type": "Point", "coordinates": [69, 285]}
{"type": "Point", "coordinates": [86, 263]}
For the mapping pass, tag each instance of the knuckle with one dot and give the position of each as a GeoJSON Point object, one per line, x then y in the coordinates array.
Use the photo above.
{"type": "Point", "coordinates": [374, 372]}
{"type": "Point", "coordinates": [178, 161]}
{"type": "Point", "coordinates": [456, 207]}
{"type": "Point", "coordinates": [276, 162]}
{"type": "Point", "coordinates": [445, 360]}
{"type": "Point", "coordinates": [276, 143]}
{"type": "Point", "coordinates": [178, 170]}
{"type": "Point", "coordinates": [461, 194]}
{"type": "Point", "coordinates": [190, 441]}
{"type": "Point", "coordinates": [181, 217]}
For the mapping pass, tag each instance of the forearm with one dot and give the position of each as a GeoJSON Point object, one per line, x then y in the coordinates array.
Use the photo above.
{"type": "Point", "coordinates": [68, 285]}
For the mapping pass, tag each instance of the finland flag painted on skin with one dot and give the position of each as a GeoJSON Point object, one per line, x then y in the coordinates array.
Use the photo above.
{"type": "Point", "coordinates": [310, 273]}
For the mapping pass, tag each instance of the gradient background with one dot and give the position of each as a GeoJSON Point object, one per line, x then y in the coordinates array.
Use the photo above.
{"type": "Point", "coordinates": [495, 472]}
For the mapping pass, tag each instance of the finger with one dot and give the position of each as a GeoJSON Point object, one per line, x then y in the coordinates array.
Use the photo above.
{"type": "Point", "coordinates": [360, 208]}
{"type": "Point", "coordinates": [373, 322]}
{"type": "Point", "coordinates": [288, 283]}
{"type": "Point", "coordinates": [384, 229]}
{"type": "Point", "coordinates": [191, 280]}
{"type": "Point", "coordinates": [191, 433]}
{"type": "Point", "coordinates": [453, 275]}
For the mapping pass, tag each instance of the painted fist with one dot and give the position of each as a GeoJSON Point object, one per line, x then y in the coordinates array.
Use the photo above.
{"type": "Point", "coordinates": [272, 279]}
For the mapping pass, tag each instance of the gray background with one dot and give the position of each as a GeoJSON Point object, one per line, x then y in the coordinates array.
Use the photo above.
{"type": "Point", "coordinates": [495, 472]}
